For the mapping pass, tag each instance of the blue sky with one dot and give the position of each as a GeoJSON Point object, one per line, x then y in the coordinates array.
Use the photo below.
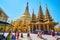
{"type": "Point", "coordinates": [15, 8]}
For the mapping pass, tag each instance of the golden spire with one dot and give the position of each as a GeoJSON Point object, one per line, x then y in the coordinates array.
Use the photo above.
{"type": "Point", "coordinates": [48, 17]}
{"type": "Point", "coordinates": [26, 15]}
{"type": "Point", "coordinates": [33, 16]}
{"type": "Point", "coordinates": [40, 13]}
{"type": "Point", "coordinates": [26, 11]}
{"type": "Point", "coordinates": [27, 7]}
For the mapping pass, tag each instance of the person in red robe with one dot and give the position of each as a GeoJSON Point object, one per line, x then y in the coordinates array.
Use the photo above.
{"type": "Point", "coordinates": [53, 33]}
{"type": "Point", "coordinates": [17, 34]}
{"type": "Point", "coordinates": [43, 32]}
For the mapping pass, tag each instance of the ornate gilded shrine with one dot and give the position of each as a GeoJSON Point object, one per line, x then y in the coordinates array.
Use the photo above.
{"type": "Point", "coordinates": [40, 22]}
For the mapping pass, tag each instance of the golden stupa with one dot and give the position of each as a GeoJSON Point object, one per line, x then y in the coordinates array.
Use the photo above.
{"type": "Point", "coordinates": [23, 22]}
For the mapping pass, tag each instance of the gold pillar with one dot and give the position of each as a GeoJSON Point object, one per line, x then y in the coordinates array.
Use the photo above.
{"type": "Point", "coordinates": [44, 27]}
{"type": "Point", "coordinates": [3, 28]}
{"type": "Point", "coordinates": [32, 27]}
{"type": "Point", "coordinates": [28, 28]}
{"type": "Point", "coordinates": [36, 27]}
{"type": "Point", "coordinates": [47, 27]}
{"type": "Point", "coordinates": [39, 27]}
{"type": "Point", "coordinates": [52, 27]}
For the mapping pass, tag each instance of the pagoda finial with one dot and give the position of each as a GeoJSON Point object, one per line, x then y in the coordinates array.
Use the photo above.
{"type": "Point", "coordinates": [40, 13]}
{"type": "Point", "coordinates": [26, 14]}
{"type": "Point", "coordinates": [27, 10]}
{"type": "Point", "coordinates": [27, 3]}
{"type": "Point", "coordinates": [33, 11]}
{"type": "Point", "coordinates": [33, 16]}
{"type": "Point", "coordinates": [27, 7]}
{"type": "Point", "coordinates": [48, 14]}
{"type": "Point", "coordinates": [46, 7]}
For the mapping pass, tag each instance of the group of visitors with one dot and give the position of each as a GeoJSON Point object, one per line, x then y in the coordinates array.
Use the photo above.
{"type": "Point", "coordinates": [40, 33]}
{"type": "Point", "coordinates": [18, 34]}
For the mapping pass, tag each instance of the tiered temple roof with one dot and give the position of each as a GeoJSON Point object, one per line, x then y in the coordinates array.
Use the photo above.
{"type": "Point", "coordinates": [41, 22]}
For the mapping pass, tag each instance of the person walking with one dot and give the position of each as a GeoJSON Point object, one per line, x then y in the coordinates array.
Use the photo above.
{"type": "Point", "coordinates": [13, 37]}
{"type": "Point", "coordinates": [53, 33]}
{"type": "Point", "coordinates": [28, 34]}
{"type": "Point", "coordinates": [41, 34]}
{"type": "Point", "coordinates": [38, 34]}
{"type": "Point", "coordinates": [21, 35]}
{"type": "Point", "coordinates": [17, 34]}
